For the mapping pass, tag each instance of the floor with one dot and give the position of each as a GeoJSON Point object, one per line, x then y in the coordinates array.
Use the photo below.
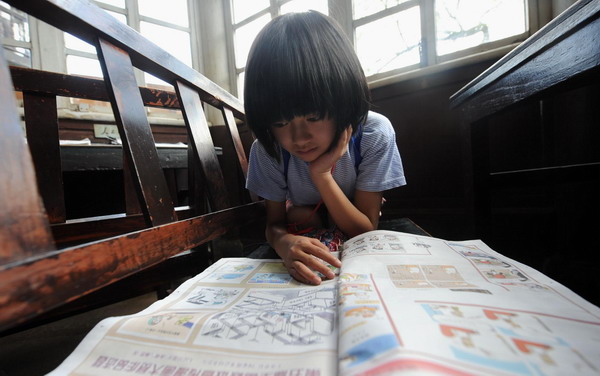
{"type": "Point", "coordinates": [39, 350]}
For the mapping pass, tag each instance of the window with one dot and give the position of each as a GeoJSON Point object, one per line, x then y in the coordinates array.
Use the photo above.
{"type": "Point", "coordinates": [81, 56]}
{"type": "Point", "coordinates": [14, 31]}
{"type": "Point", "coordinates": [249, 17]}
{"type": "Point", "coordinates": [393, 36]}
{"type": "Point", "coordinates": [428, 32]}
{"type": "Point", "coordinates": [166, 26]}
{"type": "Point", "coordinates": [461, 25]}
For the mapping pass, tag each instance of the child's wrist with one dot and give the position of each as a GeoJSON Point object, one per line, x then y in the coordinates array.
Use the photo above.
{"type": "Point", "coordinates": [319, 178]}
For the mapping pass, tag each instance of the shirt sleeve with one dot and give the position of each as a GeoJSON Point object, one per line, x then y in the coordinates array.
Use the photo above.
{"type": "Point", "coordinates": [265, 175]}
{"type": "Point", "coordinates": [381, 166]}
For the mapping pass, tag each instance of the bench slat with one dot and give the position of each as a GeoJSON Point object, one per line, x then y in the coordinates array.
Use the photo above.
{"type": "Point", "coordinates": [25, 229]}
{"type": "Point", "coordinates": [136, 135]}
{"type": "Point", "coordinates": [237, 142]}
{"type": "Point", "coordinates": [33, 80]}
{"type": "Point", "coordinates": [204, 148]}
{"type": "Point", "coordinates": [41, 122]}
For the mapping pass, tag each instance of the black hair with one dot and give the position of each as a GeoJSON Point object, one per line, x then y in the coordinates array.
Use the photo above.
{"type": "Point", "coordinates": [299, 64]}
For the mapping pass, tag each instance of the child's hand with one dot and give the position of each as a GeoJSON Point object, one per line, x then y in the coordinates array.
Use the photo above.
{"type": "Point", "coordinates": [302, 260]}
{"type": "Point", "coordinates": [325, 162]}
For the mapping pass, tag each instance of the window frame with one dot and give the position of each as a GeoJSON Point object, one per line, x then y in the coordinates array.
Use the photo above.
{"type": "Point", "coordinates": [537, 14]}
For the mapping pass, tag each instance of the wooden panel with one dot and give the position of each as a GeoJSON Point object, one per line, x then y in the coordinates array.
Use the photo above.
{"type": "Point", "coordinates": [195, 119]}
{"type": "Point", "coordinates": [38, 284]}
{"type": "Point", "coordinates": [42, 137]}
{"type": "Point", "coordinates": [480, 162]}
{"type": "Point", "coordinates": [136, 134]}
{"type": "Point", "coordinates": [237, 142]}
{"type": "Point", "coordinates": [25, 230]}
{"type": "Point", "coordinates": [87, 21]}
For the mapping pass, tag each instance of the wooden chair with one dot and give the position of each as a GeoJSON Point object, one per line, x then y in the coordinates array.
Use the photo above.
{"type": "Point", "coordinates": [46, 260]}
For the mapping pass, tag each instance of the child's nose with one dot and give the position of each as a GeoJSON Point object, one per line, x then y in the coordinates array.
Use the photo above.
{"type": "Point", "coordinates": [300, 131]}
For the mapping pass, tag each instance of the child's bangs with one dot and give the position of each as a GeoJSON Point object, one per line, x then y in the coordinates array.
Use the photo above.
{"type": "Point", "coordinates": [296, 88]}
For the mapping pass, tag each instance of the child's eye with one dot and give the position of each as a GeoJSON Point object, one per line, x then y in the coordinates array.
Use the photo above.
{"type": "Point", "coordinates": [279, 124]}
{"type": "Point", "coordinates": [313, 118]}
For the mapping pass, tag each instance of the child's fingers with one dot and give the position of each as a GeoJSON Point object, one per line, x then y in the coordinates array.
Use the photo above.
{"type": "Point", "coordinates": [313, 258]}
{"type": "Point", "coordinates": [302, 273]}
{"type": "Point", "coordinates": [310, 264]}
{"type": "Point", "coordinates": [304, 261]}
{"type": "Point", "coordinates": [324, 254]}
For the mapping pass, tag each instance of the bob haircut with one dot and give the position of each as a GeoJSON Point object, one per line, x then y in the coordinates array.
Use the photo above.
{"type": "Point", "coordinates": [300, 64]}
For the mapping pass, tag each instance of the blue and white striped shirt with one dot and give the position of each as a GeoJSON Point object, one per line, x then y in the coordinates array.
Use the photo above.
{"type": "Point", "coordinates": [380, 168]}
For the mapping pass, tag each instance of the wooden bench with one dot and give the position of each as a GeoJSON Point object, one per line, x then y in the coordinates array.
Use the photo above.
{"type": "Point", "coordinates": [47, 260]}
{"type": "Point", "coordinates": [540, 99]}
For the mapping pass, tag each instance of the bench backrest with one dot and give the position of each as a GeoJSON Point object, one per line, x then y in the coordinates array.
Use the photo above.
{"type": "Point", "coordinates": [36, 274]}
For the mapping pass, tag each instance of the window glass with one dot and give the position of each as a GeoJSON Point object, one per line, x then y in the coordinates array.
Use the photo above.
{"type": "Point", "coordinates": [173, 11]}
{"type": "Point", "coordinates": [18, 56]}
{"type": "Point", "coordinates": [83, 66]}
{"type": "Point", "coordinates": [462, 24]}
{"type": "Point", "coordinates": [13, 23]}
{"type": "Point", "coordinates": [77, 44]}
{"type": "Point", "coordinates": [243, 9]}
{"type": "Point", "coordinates": [175, 42]}
{"type": "Point", "coordinates": [155, 82]}
{"type": "Point", "coordinates": [389, 43]}
{"type": "Point", "coordinates": [244, 36]}
{"type": "Point", "coordinates": [304, 5]}
{"type": "Point", "coordinates": [363, 8]}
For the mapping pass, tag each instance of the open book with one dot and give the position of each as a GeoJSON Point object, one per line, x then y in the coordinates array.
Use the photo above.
{"type": "Point", "coordinates": [401, 303]}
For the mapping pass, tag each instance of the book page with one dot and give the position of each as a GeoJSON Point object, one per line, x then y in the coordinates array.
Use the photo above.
{"type": "Point", "coordinates": [425, 305]}
{"type": "Point", "coordinates": [238, 317]}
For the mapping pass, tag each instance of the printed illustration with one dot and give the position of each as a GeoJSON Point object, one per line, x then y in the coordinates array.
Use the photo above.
{"type": "Point", "coordinates": [232, 272]}
{"type": "Point", "coordinates": [516, 342]}
{"type": "Point", "coordinates": [174, 327]}
{"type": "Point", "coordinates": [272, 267]}
{"type": "Point", "coordinates": [210, 297]}
{"type": "Point", "coordinates": [386, 243]}
{"type": "Point", "coordinates": [426, 276]}
{"type": "Point", "coordinates": [271, 278]}
{"type": "Point", "coordinates": [276, 317]}
{"type": "Point", "coordinates": [498, 271]}
{"type": "Point", "coordinates": [351, 277]}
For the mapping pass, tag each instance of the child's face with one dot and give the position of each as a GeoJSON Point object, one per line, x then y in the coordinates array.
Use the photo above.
{"type": "Point", "coordinates": [307, 137]}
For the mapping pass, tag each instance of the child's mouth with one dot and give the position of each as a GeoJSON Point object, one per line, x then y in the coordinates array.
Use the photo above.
{"type": "Point", "coordinates": [305, 152]}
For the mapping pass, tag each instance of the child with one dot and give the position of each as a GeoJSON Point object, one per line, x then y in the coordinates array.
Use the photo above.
{"type": "Point", "coordinates": [321, 159]}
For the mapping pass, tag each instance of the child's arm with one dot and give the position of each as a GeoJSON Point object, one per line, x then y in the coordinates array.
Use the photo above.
{"type": "Point", "coordinates": [352, 218]}
{"type": "Point", "coordinates": [299, 253]}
